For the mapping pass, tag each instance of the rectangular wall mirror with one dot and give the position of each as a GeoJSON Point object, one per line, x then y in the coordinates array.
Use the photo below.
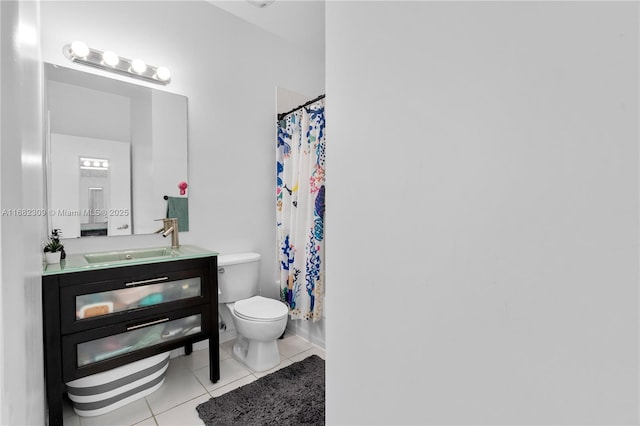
{"type": "Point", "coordinates": [114, 151]}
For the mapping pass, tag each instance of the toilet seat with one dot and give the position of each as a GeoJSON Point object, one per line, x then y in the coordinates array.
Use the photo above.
{"type": "Point", "coordinates": [258, 308]}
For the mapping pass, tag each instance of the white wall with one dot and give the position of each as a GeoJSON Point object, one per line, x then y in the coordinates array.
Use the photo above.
{"type": "Point", "coordinates": [286, 99]}
{"type": "Point", "coordinates": [80, 111]}
{"type": "Point", "coordinates": [482, 222]}
{"type": "Point", "coordinates": [229, 70]}
{"type": "Point", "coordinates": [21, 369]}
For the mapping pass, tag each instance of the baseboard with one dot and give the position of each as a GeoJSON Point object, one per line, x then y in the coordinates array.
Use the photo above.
{"type": "Point", "coordinates": [313, 332]}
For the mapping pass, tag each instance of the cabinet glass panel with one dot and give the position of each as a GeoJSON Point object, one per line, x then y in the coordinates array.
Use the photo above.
{"type": "Point", "coordinates": [107, 302]}
{"type": "Point", "coordinates": [137, 338]}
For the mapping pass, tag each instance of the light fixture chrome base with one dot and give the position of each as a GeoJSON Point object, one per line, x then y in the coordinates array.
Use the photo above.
{"type": "Point", "coordinates": [95, 58]}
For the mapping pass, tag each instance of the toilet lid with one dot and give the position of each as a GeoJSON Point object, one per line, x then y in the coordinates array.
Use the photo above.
{"type": "Point", "coordinates": [260, 308]}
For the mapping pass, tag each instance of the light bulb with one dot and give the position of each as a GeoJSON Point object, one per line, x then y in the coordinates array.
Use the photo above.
{"type": "Point", "coordinates": [86, 163]}
{"type": "Point", "coordinates": [163, 74]}
{"type": "Point", "coordinates": [110, 58]}
{"type": "Point", "coordinates": [96, 164]}
{"type": "Point", "coordinates": [138, 66]}
{"type": "Point", "coordinates": [79, 49]}
{"type": "Point", "coordinates": [105, 164]}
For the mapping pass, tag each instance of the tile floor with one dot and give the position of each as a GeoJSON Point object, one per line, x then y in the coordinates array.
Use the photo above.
{"type": "Point", "coordinates": [187, 385]}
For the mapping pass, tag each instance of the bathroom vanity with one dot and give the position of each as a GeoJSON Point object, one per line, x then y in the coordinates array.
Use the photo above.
{"type": "Point", "coordinates": [104, 310]}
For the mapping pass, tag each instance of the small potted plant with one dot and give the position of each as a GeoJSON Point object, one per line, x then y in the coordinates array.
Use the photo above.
{"type": "Point", "coordinates": [53, 250]}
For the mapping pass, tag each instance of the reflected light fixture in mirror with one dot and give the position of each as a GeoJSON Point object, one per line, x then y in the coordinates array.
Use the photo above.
{"type": "Point", "coordinates": [94, 163]}
{"type": "Point", "coordinates": [110, 61]}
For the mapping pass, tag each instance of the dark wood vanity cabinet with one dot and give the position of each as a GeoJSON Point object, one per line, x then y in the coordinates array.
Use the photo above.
{"type": "Point", "coordinates": [99, 319]}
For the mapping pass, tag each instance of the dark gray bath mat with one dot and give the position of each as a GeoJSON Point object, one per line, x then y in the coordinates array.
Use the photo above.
{"type": "Point", "coordinates": [293, 395]}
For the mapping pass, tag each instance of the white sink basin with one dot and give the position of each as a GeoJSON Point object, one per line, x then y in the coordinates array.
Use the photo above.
{"type": "Point", "coordinates": [118, 256]}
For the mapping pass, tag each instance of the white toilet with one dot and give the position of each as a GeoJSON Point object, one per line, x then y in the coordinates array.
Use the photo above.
{"type": "Point", "coordinates": [258, 321]}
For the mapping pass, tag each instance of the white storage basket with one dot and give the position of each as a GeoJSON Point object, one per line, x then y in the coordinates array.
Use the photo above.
{"type": "Point", "coordinates": [103, 392]}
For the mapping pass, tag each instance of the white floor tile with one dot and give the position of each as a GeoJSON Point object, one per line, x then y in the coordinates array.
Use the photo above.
{"type": "Point", "coordinates": [179, 386]}
{"type": "Point", "coordinates": [233, 385]}
{"type": "Point", "coordinates": [230, 371]}
{"type": "Point", "coordinates": [127, 415]}
{"type": "Point", "coordinates": [290, 346]}
{"type": "Point", "coordinates": [195, 361]}
{"type": "Point", "coordinates": [148, 422]}
{"type": "Point", "coordinates": [313, 351]}
{"type": "Point", "coordinates": [184, 414]}
{"type": "Point", "coordinates": [73, 420]}
{"type": "Point", "coordinates": [283, 363]}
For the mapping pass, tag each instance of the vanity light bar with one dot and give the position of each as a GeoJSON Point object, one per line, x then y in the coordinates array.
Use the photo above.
{"type": "Point", "coordinates": [94, 163]}
{"type": "Point", "coordinates": [108, 60]}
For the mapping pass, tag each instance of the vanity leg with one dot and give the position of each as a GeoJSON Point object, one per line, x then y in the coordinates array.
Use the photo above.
{"type": "Point", "coordinates": [214, 359]}
{"type": "Point", "coordinates": [188, 348]}
{"type": "Point", "coordinates": [54, 401]}
{"type": "Point", "coordinates": [54, 384]}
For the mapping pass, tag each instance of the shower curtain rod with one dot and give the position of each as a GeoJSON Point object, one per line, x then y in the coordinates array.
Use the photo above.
{"type": "Point", "coordinates": [284, 114]}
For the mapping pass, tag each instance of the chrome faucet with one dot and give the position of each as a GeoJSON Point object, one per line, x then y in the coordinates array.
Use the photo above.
{"type": "Point", "coordinates": [170, 226]}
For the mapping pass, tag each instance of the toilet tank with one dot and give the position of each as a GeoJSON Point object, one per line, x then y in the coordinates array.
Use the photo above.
{"type": "Point", "coordinates": [238, 276]}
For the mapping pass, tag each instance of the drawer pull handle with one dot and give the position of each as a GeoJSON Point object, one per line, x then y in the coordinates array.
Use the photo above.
{"type": "Point", "coordinates": [152, 280]}
{"type": "Point", "coordinates": [133, 327]}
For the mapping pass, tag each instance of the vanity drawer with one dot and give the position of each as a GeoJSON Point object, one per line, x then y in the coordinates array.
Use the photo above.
{"type": "Point", "coordinates": [132, 296]}
{"type": "Point", "coordinates": [101, 349]}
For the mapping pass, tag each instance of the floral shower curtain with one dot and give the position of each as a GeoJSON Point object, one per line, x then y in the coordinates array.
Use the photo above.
{"type": "Point", "coordinates": [300, 210]}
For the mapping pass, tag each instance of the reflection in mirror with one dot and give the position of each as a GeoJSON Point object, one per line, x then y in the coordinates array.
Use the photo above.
{"type": "Point", "coordinates": [79, 164]}
{"type": "Point", "coordinates": [93, 171]}
{"type": "Point", "coordinates": [115, 149]}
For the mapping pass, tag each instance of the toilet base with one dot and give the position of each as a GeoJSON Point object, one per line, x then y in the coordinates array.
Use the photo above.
{"type": "Point", "coordinates": [258, 356]}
